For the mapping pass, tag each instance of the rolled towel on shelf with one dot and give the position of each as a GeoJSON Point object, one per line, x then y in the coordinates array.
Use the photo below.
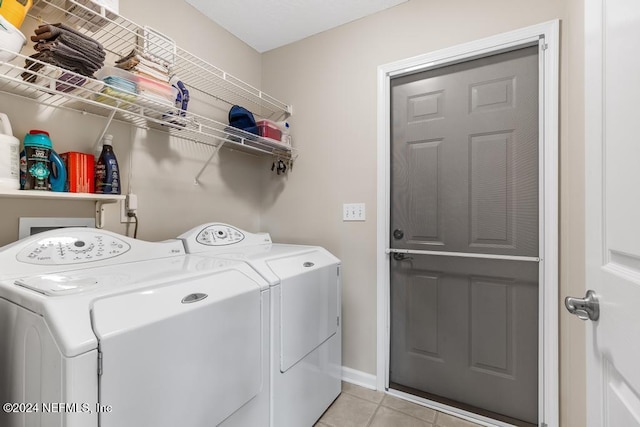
{"type": "Point", "coordinates": [136, 57]}
{"type": "Point", "coordinates": [150, 73]}
{"type": "Point", "coordinates": [138, 63]}
{"type": "Point", "coordinates": [64, 51]}
{"type": "Point", "coordinates": [52, 31]}
{"type": "Point", "coordinates": [32, 67]}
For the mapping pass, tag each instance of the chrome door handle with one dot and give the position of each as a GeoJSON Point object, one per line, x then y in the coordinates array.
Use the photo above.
{"type": "Point", "coordinates": [586, 308]}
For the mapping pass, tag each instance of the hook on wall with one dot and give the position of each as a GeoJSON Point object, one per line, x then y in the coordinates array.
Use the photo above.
{"type": "Point", "coordinates": [279, 166]}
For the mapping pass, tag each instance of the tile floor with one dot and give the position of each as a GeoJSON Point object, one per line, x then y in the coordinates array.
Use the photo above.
{"type": "Point", "coordinates": [361, 407]}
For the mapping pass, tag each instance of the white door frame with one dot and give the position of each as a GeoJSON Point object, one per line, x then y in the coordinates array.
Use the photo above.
{"type": "Point", "coordinates": [546, 35]}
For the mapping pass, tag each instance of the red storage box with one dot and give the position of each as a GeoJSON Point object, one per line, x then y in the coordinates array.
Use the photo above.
{"type": "Point", "coordinates": [269, 130]}
{"type": "Point", "coordinates": [80, 172]}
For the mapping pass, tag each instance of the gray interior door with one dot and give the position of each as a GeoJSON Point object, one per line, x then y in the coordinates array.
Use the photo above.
{"type": "Point", "coordinates": [464, 182]}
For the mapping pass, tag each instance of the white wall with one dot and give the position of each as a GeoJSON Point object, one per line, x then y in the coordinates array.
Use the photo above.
{"type": "Point", "coordinates": [331, 81]}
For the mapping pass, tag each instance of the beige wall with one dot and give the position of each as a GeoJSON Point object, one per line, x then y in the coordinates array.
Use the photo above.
{"type": "Point", "coordinates": [331, 81]}
{"type": "Point", "coordinates": [572, 217]}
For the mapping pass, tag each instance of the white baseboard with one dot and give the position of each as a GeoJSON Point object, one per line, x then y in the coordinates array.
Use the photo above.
{"type": "Point", "coordinates": [359, 378]}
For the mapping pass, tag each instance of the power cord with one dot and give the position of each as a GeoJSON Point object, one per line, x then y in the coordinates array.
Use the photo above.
{"type": "Point", "coordinates": [135, 220]}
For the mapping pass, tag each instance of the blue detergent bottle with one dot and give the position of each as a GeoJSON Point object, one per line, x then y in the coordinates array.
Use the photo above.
{"type": "Point", "coordinates": [107, 173]}
{"type": "Point", "coordinates": [41, 168]}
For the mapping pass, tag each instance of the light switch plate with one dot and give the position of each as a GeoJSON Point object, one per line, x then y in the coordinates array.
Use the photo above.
{"type": "Point", "coordinates": [353, 212]}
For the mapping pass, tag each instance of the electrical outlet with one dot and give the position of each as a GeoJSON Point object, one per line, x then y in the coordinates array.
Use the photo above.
{"type": "Point", "coordinates": [353, 212]}
{"type": "Point", "coordinates": [128, 205]}
{"type": "Point", "coordinates": [123, 213]}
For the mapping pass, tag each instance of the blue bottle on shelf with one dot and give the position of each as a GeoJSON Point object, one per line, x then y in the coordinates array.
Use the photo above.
{"type": "Point", "coordinates": [41, 168]}
{"type": "Point", "coordinates": [107, 174]}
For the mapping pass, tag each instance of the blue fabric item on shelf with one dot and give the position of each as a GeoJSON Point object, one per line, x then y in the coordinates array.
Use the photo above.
{"type": "Point", "coordinates": [182, 98]}
{"type": "Point", "coordinates": [241, 118]}
{"type": "Point", "coordinates": [176, 118]}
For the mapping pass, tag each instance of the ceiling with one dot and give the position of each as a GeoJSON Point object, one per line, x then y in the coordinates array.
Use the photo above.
{"type": "Point", "coordinates": [268, 24]}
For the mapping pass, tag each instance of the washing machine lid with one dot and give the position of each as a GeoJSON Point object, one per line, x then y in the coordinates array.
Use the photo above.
{"type": "Point", "coordinates": [191, 349]}
{"type": "Point", "coordinates": [57, 284]}
{"type": "Point", "coordinates": [65, 299]}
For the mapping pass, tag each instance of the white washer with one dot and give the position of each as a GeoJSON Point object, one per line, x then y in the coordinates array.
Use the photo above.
{"type": "Point", "coordinates": [151, 336]}
{"type": "Point", "coordinates": [306, 347]}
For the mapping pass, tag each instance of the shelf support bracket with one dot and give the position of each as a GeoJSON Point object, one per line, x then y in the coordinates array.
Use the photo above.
{"type": "Point", "coordinates": [106, 126]}
{"type": "Point", "coordinates": [206, 165]}
{"type": "Point", "coordinates": [100, 211]}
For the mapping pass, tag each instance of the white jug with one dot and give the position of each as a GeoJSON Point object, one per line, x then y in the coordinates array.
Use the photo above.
{"type": "Point", "coordinates": [9, 156]}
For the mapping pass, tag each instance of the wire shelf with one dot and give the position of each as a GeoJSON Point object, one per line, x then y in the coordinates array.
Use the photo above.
{"type": "Point", "coordinates": [57, 87]}
{"type": "Point", "coordinates": [119, 36]}
{"type": "Point", "coordinates": [78, 92]}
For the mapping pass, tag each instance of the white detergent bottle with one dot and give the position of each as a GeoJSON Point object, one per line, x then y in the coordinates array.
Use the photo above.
{"type": "Point", "coordinates": [9, 156]}
{"type": "Point", "coordinates": [284, 129]}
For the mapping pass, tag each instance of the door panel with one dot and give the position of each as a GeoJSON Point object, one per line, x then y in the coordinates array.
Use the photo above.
{"type": "Point", "coordinates": [464, 178]}
{"type": "Point", "coordinates": [465, 147]}
{"type": "Point", "coordinates": [612, 211]}
{"type": "Point", "coordinates": [463, 330]}
{"type": "Point", "coordinates": [423, 158]}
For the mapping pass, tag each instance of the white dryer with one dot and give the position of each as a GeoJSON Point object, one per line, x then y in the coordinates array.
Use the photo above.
{"type": "Point", "coordinates": [306, 338]}
{"type": "Point", "coordinates": [97, 329]}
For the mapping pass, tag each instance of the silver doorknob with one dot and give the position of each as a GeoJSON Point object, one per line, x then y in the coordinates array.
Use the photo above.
{"type": "Point", "coordinates": [401, 257]}
{"type": "Point", "coordinates": [586, 308]}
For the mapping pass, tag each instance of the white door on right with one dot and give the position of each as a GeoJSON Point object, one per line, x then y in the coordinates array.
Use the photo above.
{"type": "Point", "coordinates": [612, 67]}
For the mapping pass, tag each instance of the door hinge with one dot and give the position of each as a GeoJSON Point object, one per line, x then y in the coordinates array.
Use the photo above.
{"type": "Point", "coordinates": [544, 46]}
{"type": "Point", "coordinates": [99, 363]}
{"type": "Point", "coordinates": [338, 271]}
{"type": "Point", "coordinates": [544, 425]}
{"type": "Point", "coordinates": [338, 320]}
